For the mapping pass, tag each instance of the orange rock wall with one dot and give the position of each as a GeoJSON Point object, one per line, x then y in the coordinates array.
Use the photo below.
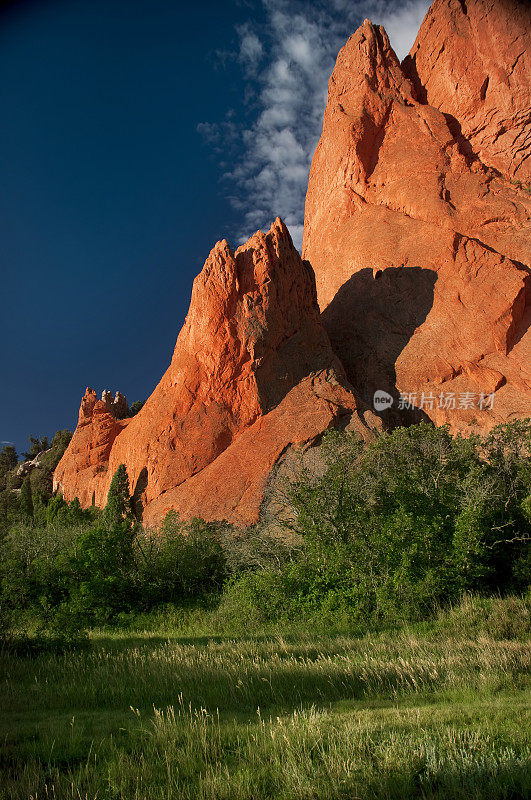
{"type": "Point", "coordinates": [472, 60]}
{"type": "Point", "coordinates": [241, 388]}
{"type": "Point", "coordinates": [421, 250]}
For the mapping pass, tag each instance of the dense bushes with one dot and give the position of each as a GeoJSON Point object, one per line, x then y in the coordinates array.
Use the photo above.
{"type": "Point", "coordinates": [383, 533]}
{"type": "Point", "coordinates": [391, 531]}
{"type": "Point", "coordinates": [65, 569]}
{"type": "Point", "coordinates": [181, 562]}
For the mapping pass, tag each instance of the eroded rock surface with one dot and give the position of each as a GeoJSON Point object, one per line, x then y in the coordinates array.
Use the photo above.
{"type": "Point", "coordinates": [472, 60]}
{"type": "Point", "coordinates": [82, 471]}
{"type": "Point", "coordinates": [421, 251]}
{"type": "Point", "coordinates": [252, 374]}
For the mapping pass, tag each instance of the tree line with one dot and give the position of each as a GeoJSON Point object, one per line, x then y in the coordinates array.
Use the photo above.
{"type": "Point", "coordinates": [381, 533]}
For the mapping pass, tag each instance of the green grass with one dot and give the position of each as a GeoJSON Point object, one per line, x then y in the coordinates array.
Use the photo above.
{"type": "Point", "coordinates": [439, 710]}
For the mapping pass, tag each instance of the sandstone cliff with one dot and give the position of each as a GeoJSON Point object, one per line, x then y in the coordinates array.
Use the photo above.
{"type": "Point", "coordinates": [252, 376]}
{"type": "Point", "coordinates": [420, 248]}
{"type": "Point", "coordinates": [417, 226]}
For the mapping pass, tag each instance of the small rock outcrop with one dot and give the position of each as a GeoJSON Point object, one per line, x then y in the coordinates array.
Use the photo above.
{"type": "Point", "coordinates": [83, 466]}
{"type": "Point", "coordinates": [117, 405]}
{"type": "Point", "coordinates": [252, 375]}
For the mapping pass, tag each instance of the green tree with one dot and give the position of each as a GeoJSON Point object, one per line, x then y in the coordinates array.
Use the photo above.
{"type": "Point", "coordinates": [118, 505]}
{"type": "Point", "coordinates": [8, 461]}
{"type": "Point", "coordinates": [413, 520]}
{"type": "Point", "coordinates": [36, 446]}
{"type": "Point", "coordinates": [26, 499]}
{"type": "Point", "coordinates": [135, 407]}
{"type": "Point", "coordinates": [8, 458]}
{"type": "Point", "coordinates": [103, 572]}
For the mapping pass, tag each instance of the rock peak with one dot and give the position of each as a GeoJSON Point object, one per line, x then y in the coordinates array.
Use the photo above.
{"type": "Point", "coordinates": [420, 249]}
{"type": "Point", "coordinates": [251, 363]}
{"type": "Point", "coordinates": [473, 60]}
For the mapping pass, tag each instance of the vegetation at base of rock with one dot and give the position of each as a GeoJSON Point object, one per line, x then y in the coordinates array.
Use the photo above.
{"type": "Point", "coordinates": [377, 645]}
{"type": "Point", "coordinates": [385, 533]}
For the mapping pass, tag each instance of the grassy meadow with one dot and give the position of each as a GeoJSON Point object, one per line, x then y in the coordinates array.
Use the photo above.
{"type": "Point", "coordinates": [433, 710]}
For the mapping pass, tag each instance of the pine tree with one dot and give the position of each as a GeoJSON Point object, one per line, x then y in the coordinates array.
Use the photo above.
{"type": "Point", "coordinates": [8, 461]}
{"type": "Point", "coordinates": [8, 458]}
{"type": "Point", "coordinates": [135, 407]}
{"type": "Point", "coordinates": [36, 446]}
{"type": "Point", "coordinates": [118, 505]}
{"type": "Point", "coordinates": [26, 499]}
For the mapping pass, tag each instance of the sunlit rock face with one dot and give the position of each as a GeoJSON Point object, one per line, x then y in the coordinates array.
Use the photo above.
{"type": "Point", "coordinates": [415, 284]}
{"type": "Point", "coordinates": [252, 377]}
{"type": "Point", "coordinates": [472, 60]}
{"type": "Point", "coordinates": [82, 471]}
{"type": "Point", "coordinates": [420, 244]}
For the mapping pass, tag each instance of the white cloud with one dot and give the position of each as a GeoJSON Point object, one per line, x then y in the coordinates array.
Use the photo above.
{"type": "Point", "coordinates": [296, 50]}
{"type": "Point", "coordinates": [251, 49]}
{"type": "Point", "coordinates": [402, 25]}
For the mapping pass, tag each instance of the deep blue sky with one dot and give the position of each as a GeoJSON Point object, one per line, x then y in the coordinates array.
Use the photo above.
{"type": "Point", "coordinates": [110, 199]}
{"type": "Point", "coordinates": [119, 119]}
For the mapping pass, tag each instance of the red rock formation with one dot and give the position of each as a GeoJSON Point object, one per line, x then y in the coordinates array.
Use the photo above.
{"type": "Point", "coordinates": [473, 60]}
{"type": "Point", "coordinates": [252, 374]}
{"type": "Point", "coordinates": [82, 471]}
{"type": "Point", "coordinates": [420, 245]}
{"type": "Point", "coordinates": [232, 487]}
{"type": "Point", "coordinates": [421, 252]}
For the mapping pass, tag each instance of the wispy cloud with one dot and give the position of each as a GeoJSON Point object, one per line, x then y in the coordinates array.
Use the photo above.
{"type": "Point", "coordinates": [286, 64]}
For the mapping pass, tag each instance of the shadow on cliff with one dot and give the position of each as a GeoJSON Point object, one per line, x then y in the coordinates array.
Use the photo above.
{"type": "Point", "coordinates": [137, 499]}
{"type": "Point", "coordinates": [370, 321]}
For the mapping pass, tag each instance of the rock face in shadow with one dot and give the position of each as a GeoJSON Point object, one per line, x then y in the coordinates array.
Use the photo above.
{"type": "Point", "coordinates": [473, 60]}
{"type": "Point", "coordinates": [370, 351]}
{"type": "Point", "coordinates": [252, 375]}
{"type": "Point", "coordinates": [396, 187]}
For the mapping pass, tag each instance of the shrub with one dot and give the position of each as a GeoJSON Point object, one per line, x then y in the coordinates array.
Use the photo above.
{"type": "Point", "coordinates": [254, 600]}
{"type": "Point", "coordinates": [180, 562]}
{"type": "Point", "coordinates": [101, 573]}
{"type": "Point", "coordinates": [414, 520]}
